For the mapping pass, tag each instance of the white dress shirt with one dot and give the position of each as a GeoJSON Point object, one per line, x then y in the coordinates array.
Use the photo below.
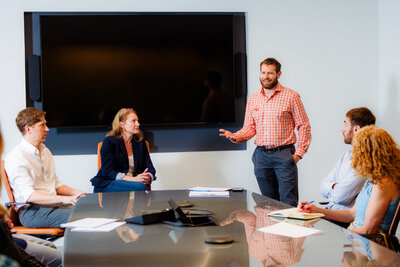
{"type": "Point", "coordinates": [28, 172]}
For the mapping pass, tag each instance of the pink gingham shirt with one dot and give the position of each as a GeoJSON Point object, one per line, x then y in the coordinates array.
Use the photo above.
{"type": "Point", "coordinates": [273, 120]}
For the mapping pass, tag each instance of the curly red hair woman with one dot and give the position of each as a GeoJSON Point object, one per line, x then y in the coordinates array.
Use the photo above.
{"type": "Point", "coordinates": [376, 156]}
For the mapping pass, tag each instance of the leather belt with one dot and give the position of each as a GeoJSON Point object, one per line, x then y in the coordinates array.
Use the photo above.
{"type": "Point", "coordinates": [274, 149]}
{"type": "Point", "coordinates": [22, 208]}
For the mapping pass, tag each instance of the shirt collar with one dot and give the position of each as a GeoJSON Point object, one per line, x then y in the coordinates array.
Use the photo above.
{"type": "Point", "coordinates": [278, 88]}
{"type": "Point", "coordinates": [31, 148]}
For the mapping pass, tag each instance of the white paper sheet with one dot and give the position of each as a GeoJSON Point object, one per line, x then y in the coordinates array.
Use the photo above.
{"type": "Point", "coordinates": [88, 222]}
{"type": "Point", "coordinates": [103, 228]}
{"type": "Point", "coordinates": [208, 194]}
{"type": "Point", "coordinates": [209, 189]}
{"type": "Point", "coordinates": [290, 230]}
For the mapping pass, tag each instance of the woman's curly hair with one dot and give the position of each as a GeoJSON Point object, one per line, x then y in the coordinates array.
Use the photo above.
{"type": "Point", "coordinates": [376, 155]}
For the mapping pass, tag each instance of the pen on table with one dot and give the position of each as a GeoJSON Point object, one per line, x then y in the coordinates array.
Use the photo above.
{"type": "Point", "coordinates": [308, 203]}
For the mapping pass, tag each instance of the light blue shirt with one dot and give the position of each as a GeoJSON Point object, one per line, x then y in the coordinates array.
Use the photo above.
{"type": "Point", "coordinates": [348, 184]}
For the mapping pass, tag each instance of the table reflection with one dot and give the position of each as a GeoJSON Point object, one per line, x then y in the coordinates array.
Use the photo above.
{"type": "Point", "coordinates": [123, 206]}
{"type": "Point", "coordinates": [269, 249]}
{"type": "Point", "coordinates": [364, 252]}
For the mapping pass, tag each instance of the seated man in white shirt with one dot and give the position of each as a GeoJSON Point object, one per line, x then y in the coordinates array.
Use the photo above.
{"type": "Point", "coordinates": [30, 168]}
{"type": "Point", "coordinates": [342, 185]}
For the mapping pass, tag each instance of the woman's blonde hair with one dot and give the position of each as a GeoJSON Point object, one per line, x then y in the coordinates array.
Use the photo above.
{"type": "Point", "coordinates": [376, 155]}
{"type": "Point", "coordinates": [121, 116]}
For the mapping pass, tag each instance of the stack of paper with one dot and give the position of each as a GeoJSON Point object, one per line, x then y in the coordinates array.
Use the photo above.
{"type": "Point", "coordinates": [296, 221]}
{"type": "Point", "coordinates": [295, 213]}
{"type": "Point", "coordinates": [93, 225]}
{"type": "Point", "coordinates": [201, 191]}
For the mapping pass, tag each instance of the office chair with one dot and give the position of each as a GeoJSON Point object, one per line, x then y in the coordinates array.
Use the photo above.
{"type": "Point", "coordinates": [99, 157]}
{"type": "Point", "coordinates": [13, 213]}
{"type": "Point", "coordinates": [388, 239]}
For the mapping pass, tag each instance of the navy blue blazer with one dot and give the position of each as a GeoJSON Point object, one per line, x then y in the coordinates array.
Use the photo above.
{"type": "Point", "coordinates": [114, 159]}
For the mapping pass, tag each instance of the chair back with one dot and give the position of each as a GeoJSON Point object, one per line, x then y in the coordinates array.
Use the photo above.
{"type": "Point", "coordinates": [14, 217]}
{"type": "Point", "coordinates": [395, 222]}
{"type": "Point", "coordinates": [98, 155]}
{"type": "Point", "coordinates": [13, 214]}
{"type": "Point", "coordinates": [6, 182]}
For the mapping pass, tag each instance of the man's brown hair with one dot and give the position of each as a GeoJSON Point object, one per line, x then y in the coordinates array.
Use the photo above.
{"type": "Point", "coordinates": [361, 117]}
{"type": "Point", "coordinates": [272, 61]}
{"type": "Point", "coordinates": [28, 116]}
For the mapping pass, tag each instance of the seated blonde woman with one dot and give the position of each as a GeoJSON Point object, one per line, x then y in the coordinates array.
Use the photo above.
{"type": "Point", "coordinates": [125, 161]}
{"type": "Point", "coordinates": [376, 156]}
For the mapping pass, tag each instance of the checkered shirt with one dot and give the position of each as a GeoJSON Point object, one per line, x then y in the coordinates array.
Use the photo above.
{"type": "Point", "coordinates": [273, 120]}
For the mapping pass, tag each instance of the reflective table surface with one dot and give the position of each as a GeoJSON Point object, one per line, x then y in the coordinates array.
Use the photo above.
{"type": "Point", "coordinates": [238, 217]}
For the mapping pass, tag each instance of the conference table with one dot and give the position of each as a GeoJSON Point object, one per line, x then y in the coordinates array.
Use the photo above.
{"type": "Point", "coordinates": [238, 217]}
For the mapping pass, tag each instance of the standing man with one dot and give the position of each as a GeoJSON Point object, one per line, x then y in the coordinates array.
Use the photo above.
{"type": "Point", "coordinates": [30, 168]}
{"type": "Point", "coordinates": [272, 114]}
{"type": "Point", "coordinates": [342, 185]}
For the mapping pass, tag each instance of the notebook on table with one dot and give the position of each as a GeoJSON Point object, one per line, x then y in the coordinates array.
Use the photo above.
{"type": "Point", "coordinates": [295, 213]}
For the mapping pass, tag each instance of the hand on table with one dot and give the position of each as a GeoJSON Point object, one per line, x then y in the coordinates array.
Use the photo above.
{"type": "Point", "coordinates": [306, 206]}
{"type": "Point", "coordinates": [69, 201]}
{"type": "Point", "coordinates": [79, 194]}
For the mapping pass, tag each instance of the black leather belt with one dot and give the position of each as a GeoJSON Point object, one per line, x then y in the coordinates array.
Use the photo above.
{"type": "Point", "coordinates": [274, 149]}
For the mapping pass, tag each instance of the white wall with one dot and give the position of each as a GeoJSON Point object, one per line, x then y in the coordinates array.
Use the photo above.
{"type": "Point", "coordinates": [329, 53]}
{"type": "Point", "coordinates": [389, 67]}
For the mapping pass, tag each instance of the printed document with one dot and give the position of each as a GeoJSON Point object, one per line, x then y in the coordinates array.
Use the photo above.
{"type": "Point", "coordinates": [93, 225]}
{"type": "Point", "coordinates": [290, 230]}
{"type": "Point", "coordinates": [103, 228]}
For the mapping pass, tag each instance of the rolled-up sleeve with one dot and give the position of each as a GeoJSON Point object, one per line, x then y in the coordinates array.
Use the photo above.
{"type": "Point", "coordinates": [248, 130]}
{"type": "Point", "coordinates": [58, 183]}
{"type": "Point", "coordinates": [302, 125]}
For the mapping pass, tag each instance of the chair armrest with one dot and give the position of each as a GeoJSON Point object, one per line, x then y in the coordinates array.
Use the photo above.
{"type": "Point", "coordinates": [9, 204]}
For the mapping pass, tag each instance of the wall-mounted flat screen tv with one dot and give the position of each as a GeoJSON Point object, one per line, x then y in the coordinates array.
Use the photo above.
{"type": "Point", "coordinates": [172, 68]}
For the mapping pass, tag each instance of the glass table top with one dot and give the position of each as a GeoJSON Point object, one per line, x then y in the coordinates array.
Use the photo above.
{"type": "Point", "coordinates": [238, 217]}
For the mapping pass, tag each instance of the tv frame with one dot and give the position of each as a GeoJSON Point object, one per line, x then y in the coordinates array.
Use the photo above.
{"type": "Point", "coordinates": [162, 138]}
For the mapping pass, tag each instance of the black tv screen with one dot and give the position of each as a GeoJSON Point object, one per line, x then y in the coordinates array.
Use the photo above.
{"type": "Point", "coordinates": [172, 68]}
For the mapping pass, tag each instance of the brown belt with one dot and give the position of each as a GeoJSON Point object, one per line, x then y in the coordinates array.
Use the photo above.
{"type": "Point", "coordinates": [22, 208]}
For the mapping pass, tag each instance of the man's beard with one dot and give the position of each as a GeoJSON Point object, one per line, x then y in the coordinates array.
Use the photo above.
{"type": "Point", "coordinates": [348, 139]}
{"type": "Point", "coordinates": [273, 84]}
